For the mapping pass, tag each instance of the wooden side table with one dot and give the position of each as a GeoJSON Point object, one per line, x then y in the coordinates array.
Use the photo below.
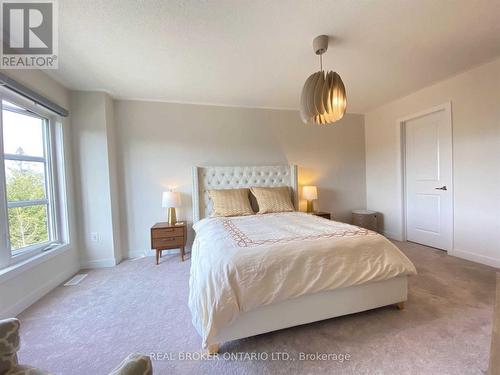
{"type": "Point", "coordinates": [165, 237]}
{"type": "Point", "coordinates": [325, 215]}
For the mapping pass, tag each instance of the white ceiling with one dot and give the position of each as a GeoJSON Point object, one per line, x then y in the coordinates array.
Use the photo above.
{"type": "Point", "coordinates": [258, 53]}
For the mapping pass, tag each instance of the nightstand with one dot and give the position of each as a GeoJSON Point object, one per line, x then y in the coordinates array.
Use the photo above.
{"type": "Point", "coordinates": [165, 237]}
{"type": "Point", "coordinates": [325, 215]}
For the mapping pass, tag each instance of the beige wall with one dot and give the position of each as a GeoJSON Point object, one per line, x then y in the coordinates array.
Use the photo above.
{"type": "Point", "coordinates": [24, 288]}
{"type": "Point", "coordinates": [93, 142]}
{"type": "Point", "coordinates": [475, 98]}
{"type": "Point", "coordinates": [159, 143]}
{"type": "Point", "coordinates": [113, 177]}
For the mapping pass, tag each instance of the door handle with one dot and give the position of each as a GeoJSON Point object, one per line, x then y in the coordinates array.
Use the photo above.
{"type": "Point", "coordinates": [442, 188]}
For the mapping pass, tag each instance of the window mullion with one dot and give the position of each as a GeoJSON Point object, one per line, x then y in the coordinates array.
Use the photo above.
{"type": "Point", "coordinates": [5, 253]}
{"type": "Point", "coordinates": [14, 157]}
{"type": "Point", "coordinates": [25, 112]}
{"type": "Point", "coordinates": [59, 203]}
{"type": "Point", "coordinates": [35, 202]}
{"type": "Point", "coordinates": [50, 178]}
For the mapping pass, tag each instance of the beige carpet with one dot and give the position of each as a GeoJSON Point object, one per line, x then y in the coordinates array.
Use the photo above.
{"type": "Point", "coordinates": [140, 307]}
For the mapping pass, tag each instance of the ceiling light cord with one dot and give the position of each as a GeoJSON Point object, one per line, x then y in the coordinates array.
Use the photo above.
{"type": "Point", "coordinates": [323, 99]}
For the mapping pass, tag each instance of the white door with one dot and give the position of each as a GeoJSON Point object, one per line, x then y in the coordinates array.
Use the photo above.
{"type": "Point", "coordinates": [429, 197]}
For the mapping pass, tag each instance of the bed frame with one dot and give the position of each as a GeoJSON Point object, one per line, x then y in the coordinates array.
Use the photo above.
{"type": "Point", "coordinates": [300, 310]}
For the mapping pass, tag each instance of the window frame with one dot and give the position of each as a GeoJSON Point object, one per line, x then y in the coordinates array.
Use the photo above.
{"type": "Point", "coordinates": [54, 183]}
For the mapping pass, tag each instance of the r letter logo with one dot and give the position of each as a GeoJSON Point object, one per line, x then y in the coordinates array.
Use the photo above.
{"type": "Point", "coordinates": [29, 34]}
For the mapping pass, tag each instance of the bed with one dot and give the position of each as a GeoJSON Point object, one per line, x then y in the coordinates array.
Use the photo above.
{"type": "Point", "coordinates": [260, 273]}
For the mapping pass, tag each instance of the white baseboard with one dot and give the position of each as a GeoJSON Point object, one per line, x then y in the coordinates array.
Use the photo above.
{"type": "Point", "coordinates": [393, 236]}
{"type": "Point", "coordinates": [139, 254]}
{"type": "Point", "coordinates": [38, 293]}
{"type": "Point", "coordinates": [99, 263]}
{"type": "Point", "coordinates": [493, 262]}
{"type": "Point", "coordinates": [150, 253]}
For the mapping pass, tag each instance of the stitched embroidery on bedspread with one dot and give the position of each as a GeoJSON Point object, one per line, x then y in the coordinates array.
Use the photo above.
{"type": "Point", "coordinates": [243, 240]}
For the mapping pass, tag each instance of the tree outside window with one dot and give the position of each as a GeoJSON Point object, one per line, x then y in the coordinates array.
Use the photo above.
{"type": "Point", "coordinates": [27, 225]}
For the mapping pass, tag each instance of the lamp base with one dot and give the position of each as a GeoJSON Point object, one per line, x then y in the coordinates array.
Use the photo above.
{"type": "Point", "coordinates": [310, 207]}
{"type": "Point", "coordinates": [171, 217]}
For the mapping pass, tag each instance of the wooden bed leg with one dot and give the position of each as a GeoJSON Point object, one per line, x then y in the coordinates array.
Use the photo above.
{"type": "Point", "coordinates": [213, 349]}
{"type": "Point", "coordinates": [400, 305]}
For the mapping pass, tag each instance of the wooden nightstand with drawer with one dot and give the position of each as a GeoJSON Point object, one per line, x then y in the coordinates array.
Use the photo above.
{"type": "Point", "coordinates": [165, 237]}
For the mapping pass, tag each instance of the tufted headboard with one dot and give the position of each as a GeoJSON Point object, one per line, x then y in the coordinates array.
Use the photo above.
{"type": "Point", "coordinates": [206, 178]}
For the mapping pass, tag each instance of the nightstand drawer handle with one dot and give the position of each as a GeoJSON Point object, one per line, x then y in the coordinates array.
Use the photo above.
{"type": "Point", "coordinates": [169, 238]}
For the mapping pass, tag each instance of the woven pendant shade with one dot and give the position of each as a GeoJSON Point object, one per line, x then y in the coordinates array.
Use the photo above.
{"type": "Point", "coordinates": [323, 99]}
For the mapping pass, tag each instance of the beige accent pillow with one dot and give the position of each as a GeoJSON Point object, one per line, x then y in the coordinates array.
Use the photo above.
{"type": "Point", "coordinates": [134, 364]}
{"type": "Point", "coordinates": [273, 199]}
{"type": "Point", "coordinates": [230, 202]}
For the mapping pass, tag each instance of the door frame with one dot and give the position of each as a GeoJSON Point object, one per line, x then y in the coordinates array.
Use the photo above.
{"type": "Point", "coordinates": [401, 127]}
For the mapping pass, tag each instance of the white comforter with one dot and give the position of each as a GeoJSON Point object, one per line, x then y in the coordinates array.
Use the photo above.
{"type": "Point", "coordinates": [241, 263]}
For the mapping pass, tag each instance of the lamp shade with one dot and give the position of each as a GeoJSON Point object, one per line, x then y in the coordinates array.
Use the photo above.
{"type": "Point", "coordinates": [323, 100]}
{"type": "Point", "coordinates": [309, 193]}
{"type": "Point", "coordinates": [171, 199]}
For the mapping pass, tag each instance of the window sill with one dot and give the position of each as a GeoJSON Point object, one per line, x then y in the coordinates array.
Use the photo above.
{"type": "Point", "coordinates": [18, 268]}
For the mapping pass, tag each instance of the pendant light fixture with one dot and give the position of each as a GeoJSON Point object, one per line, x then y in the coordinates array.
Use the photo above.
{"type": "Point", "coordinates": [323, 99]}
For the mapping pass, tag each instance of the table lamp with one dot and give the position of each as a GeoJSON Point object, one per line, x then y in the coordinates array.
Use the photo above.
{"type": "Point", "coordinates": [309, 193]}
{"type": "Point", "coordinates": [171, 200]}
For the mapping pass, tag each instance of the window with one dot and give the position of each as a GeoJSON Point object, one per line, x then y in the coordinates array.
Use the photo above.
{"type": "Point", "coordinates": [29, 182]}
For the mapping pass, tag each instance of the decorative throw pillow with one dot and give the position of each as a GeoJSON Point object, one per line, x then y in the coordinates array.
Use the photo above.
{"type": "Point", "coordinates": [230, 202]}
{"type": "Point", "coordinates": [134, 364]}
{"type": "Point", "coordinates": [275, 199]}
{"type": "Point", "coordinates": [9, 344]}
{"type": "Point", "coordinates": [26, 370]}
